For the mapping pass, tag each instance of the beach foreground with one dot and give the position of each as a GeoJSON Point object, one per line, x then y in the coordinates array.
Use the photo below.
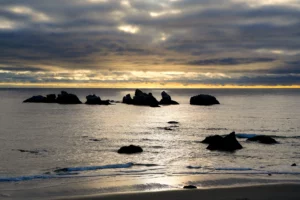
{"type": "Point", "coordinates": [263, 192]}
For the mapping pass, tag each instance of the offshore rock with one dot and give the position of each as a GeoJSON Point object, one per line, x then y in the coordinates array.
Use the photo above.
{"type": "Point", "coordinates": [227, 143]}
{"type": "Point", "coordinates": [95, 100]}
{"type": "Point", "coordinates": [127, 99]}
{"type": "Point", "coordinates": [264, 139]}
{"type": "Point", "coordinates": [204, 100]}
{"type": "Point", "coordinates": [67, 98]}
{"type": "Point", "coordinates": [130, 149]}
{"type": "Point", "coordinates": [167, 100]}
{"type": "Point", "coordinates": [141, 98]}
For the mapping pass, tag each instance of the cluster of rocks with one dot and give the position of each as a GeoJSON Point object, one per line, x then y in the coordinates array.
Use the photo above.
{"type": "Point", "coordinates": [139, 98]}
{"type": "Point", "coordinates": [227, 143]}
{"type": "Point", "coordinates": [66, 98]}
{"type": "Point", "coordinates": [230, 143]}
{"type": "Point", "coordinates": [62, 98]}
{"type": "Point", "coordinates": [144, 99]}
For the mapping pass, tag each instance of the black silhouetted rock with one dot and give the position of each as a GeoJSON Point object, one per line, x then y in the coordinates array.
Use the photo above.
{"type": "Point", "coordinates": [166, 99]}
{"type": "Point", "coordinates": [294, 165]}
{"type": "Point", "coordinates": [51, 98]}
{"type": "Point", "coordinates": [127, 99]}
{"type": "Point", "coordinates": [66, 98]}
{"type": "Point", "coordinates": [227, 143]}
{"type": "Point", "coordinates": [141, 98]}
{"type": "Point", "coordinates": [95, 100]}
{"type": "Point", "coordinates": [130, 149]}
{"type": "Point", "coordinates": [263, 139]}
{"type": "Point", "coordinates": [212, 139]}
{"type": "Point", "coordinates": [204, 99]}
{"type": "Point", "coordinates": [36, 99]}
{"type": "Point", "coordinates": [173, 122]}
{"type": "Point", "coordinates": [190, 187]}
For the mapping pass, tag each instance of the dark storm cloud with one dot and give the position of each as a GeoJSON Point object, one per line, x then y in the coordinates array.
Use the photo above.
{"type": "Point", "coordinates": [230, 61]}
{"type": "Point", "coordinates": [146, 35]}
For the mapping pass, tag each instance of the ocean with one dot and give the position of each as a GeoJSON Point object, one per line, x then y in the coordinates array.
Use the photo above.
{"type": "Point", "coordinates": [37, 140]}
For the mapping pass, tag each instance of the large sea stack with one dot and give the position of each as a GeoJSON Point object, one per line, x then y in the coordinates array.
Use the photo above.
{"type": "Point", "coordinates": [141, 98]}
{"type": "Point", "coordinates": [67, 98]}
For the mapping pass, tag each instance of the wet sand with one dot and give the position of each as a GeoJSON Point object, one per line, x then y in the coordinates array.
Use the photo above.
{"type": "Point", "coordinates": [262, 192]}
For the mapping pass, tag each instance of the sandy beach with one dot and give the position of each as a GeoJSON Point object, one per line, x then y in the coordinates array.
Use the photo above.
{"type": "Point", "coordinates": [263, 192]}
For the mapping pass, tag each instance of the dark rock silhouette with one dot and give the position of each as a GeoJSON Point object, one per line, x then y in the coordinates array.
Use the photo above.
{"type": "Point", "coordinates": [227, 143]}
{"type": "Point", "coordinates": [31, 151]}
{"type": "Point", "coordinates": [294, 165]}
{"type": "Point", "coordinates": [127, 99]}
{"type": "Point", "coordinates": [264, 139]}
{"type": "Point", "coordinates": [166, 99]}
{"type": "Point", "coordinates": [190, 187]}
{"type": "Point", "coordinates": [67, 98]}
{"type": "Point", "coordinates": [50, 98]}
{"type": "Point", "coordinates": [141, 98]}
{"type": "Point", "coordinates": [130, 149]}
{"type": "Point", "coordinates": [212, 139]}
{"type": "Point", "coordinates": [173, 122]}
{"type": "Point", "coordinates": [95, 100]}
{"type": "Point", "coordinates": [204, 99]}
{"type": "Point", "coordinates": [36, 99]}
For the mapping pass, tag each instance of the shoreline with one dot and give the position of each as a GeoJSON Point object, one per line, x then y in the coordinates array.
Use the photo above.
{"type": "Point", "coordinates": [285, 191]}
{"type": "Point", "coordinates": [144, 187]}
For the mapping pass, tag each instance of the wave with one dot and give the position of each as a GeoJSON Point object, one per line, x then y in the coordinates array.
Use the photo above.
{"type": "Point", "coordinates": [251, 135]}
{"type": "Point", "coordinates": [89, 168]}
{"type": "Point", "coordinates": [71, 171]}
{"type": "Point", "coordinates": [233, 169]}
{"type": "Point", "coordinates": [25, 178]}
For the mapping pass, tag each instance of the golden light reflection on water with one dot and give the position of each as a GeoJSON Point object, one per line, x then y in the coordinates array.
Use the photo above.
{"type": "Point", "coordinates": [136, 85]}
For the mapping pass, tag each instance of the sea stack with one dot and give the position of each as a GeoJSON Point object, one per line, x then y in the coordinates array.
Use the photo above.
{"type": "Point", "coordinates": [204, 100]}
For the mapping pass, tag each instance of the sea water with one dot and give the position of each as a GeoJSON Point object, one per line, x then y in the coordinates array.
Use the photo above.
{"type": "Point", "coordinates": [37, 139]}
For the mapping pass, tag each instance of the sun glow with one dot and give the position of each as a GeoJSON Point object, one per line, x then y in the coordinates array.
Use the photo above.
{"type": "Point", "coordinates": [129, 29]}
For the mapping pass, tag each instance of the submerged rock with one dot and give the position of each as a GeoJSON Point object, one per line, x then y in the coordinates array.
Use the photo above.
{"type": "Point", "coordinates": [264, 139]}
{"type": "Point", "coordinates": [190, 187]}
{"type": "Point", "coordinates": [204, 99]}
{"type": "Point", "coordinates": [166, 99]}
{"type": "Point", "coordinates": [173, 122]}
{"type": "Point", "coordinates": [95, 100]}
{"type": "Point", "coordinates": [130, 149]}
{"type": "Point", "coordinates": [67, 98]}
{"type": "Point", "coordinates": [227, 143]}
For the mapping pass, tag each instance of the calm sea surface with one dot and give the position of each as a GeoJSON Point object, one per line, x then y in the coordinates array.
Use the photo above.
{"type": "Point", "coordinates": [63, 136]}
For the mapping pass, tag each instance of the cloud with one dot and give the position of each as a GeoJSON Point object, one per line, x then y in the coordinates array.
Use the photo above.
{"type": "Point", "coordinates": [230, 61]}
{"type": "Point", "coordinates": [247, 39]}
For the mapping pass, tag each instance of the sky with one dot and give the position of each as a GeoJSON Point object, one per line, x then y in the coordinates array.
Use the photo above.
{"type": "Point", "coordinates": [150, 43]}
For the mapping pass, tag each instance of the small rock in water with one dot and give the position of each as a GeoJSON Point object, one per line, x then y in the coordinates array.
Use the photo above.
{"type": "Point", "coordinates": [173, 122]}
{"type": "Point", "coordinates": [264, 139]}
{"type": "Point", "coordinates": [294, 165]}
{"type": "Point", "coordinates": [95, 140]}
{"type": "Point", "coordinates": [190, 187]}
{"type": "Point", "coordinates": [130, 149]}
